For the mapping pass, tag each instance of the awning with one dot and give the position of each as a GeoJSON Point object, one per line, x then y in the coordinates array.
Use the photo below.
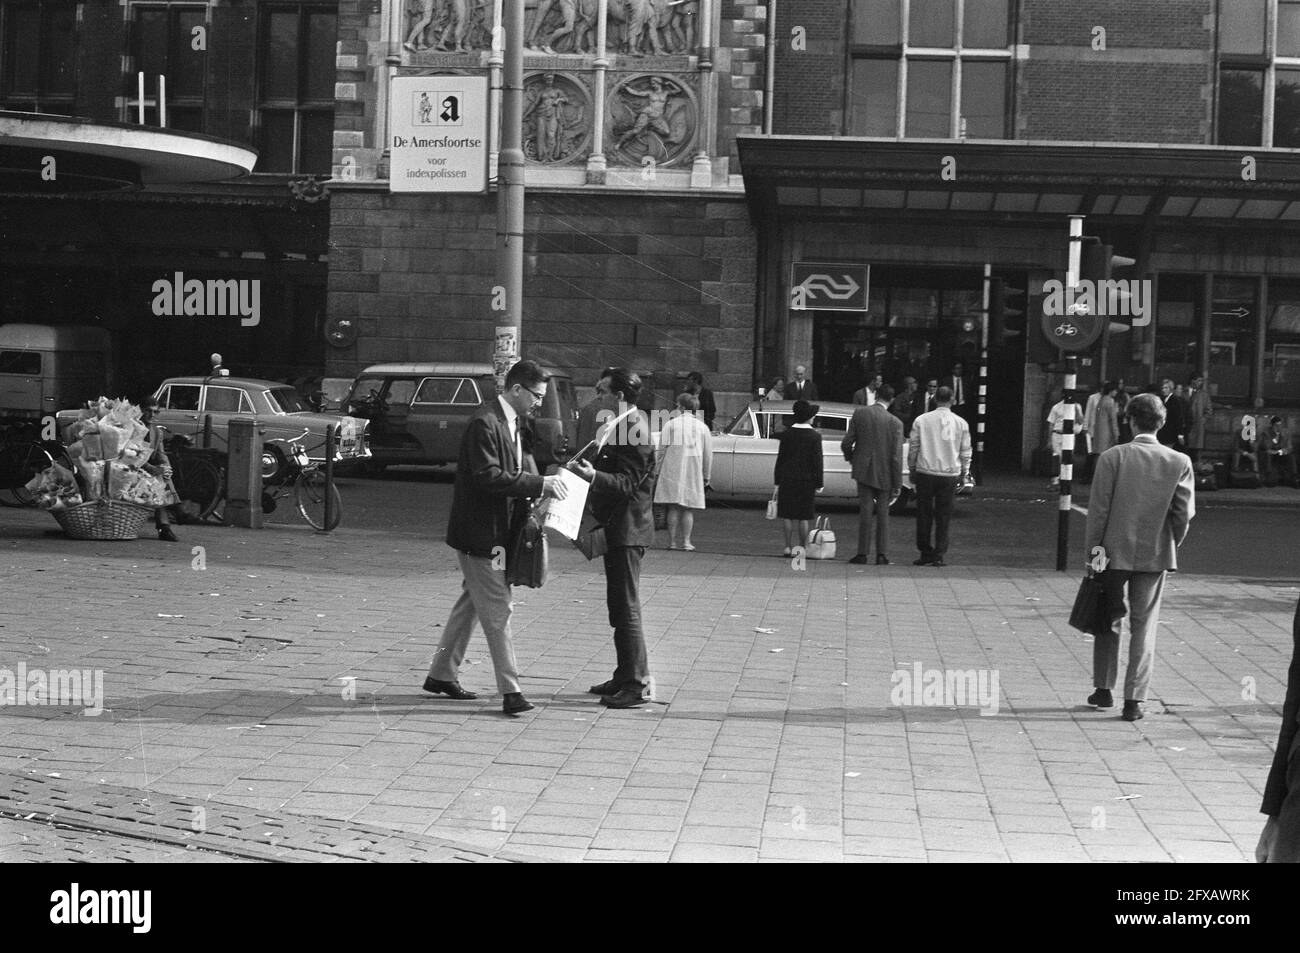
{"type": "Point", "coordinates": [1018, 181]}
{"type": "Point", "coordinates": [97, 156]}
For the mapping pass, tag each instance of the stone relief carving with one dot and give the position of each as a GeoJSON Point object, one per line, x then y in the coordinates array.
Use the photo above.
{"type": "Point", "coordinates": [651, 116]}
{"type": "Point", "coordinates": [637, 27]}
{"type": "Point", "coordinates": [557, 123]}
{"type": "Point", "coordinates": [448, 26]}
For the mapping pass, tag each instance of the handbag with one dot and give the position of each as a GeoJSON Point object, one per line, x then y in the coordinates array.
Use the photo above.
{"type": "Point", "coordinates": [821, 541]}
{"type": "Point", "coordinates": [526, 559]}
{"type": "Point", "coordinates": [771, 504]}
{"type": "Point", "coordinates": [1091, 612]}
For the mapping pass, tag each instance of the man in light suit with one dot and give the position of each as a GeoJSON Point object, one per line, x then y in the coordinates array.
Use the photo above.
{"type": "Point", "coordinates": [1279, 842]}
{"type": "Point", "coordinates": [874, 445]}
{"type": "Point", "coordinates": [1142, 500]}
{"type": "Point", "coordinates": [495, 471]}
{"type": "Point", "coordinates": [800, 387]}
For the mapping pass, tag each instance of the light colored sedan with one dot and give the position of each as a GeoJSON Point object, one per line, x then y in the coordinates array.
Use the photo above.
{"type": "Point", "coordinates": [745, 455]}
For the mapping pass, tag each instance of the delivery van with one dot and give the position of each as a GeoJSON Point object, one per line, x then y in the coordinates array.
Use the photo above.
{"type": "Point", "coordinates": [47, 367]}
{"type": "Point", "coordinates": [418, 412]}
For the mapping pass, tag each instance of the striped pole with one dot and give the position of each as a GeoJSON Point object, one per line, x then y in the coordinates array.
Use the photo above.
{"type": "Point", "coordinates": [1067, 470]}
{"type": "Point", "coordinates": [978, 467]}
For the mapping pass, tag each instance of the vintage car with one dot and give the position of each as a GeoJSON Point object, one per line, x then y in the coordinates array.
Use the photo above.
{"type": "Point", "coordinates": [744, 456]}
{"type": "Point", "coordinates": [185, 403]}
{"type": "Point", "coordinates": [418, 412]}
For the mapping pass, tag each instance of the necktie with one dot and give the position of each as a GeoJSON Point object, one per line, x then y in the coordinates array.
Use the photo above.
{"type": "Point", "coordinates": [957, 382]}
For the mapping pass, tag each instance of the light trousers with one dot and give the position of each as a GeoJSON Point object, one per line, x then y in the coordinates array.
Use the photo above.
{"type": "Point", "coordinates": [484, 598]}
{"type": "Point", "coordinates": [1144, 592]}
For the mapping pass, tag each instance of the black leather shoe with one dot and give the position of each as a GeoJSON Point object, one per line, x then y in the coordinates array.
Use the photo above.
{"type": "Point", "coordinates": [882, 561]}
{"type": "Point", "coordinates": [629, 697]}
{"type": "Point", "coordinates": [859, 560]}
{"type": "Point", "coordinates": [165, 533]}
{"type": "Point", "coordinates": [938, 562]}
{"type": "Point", "coordinates": [1132, 710]}
{"type": "Point", "coordinates": [604, 688]}
{"type": "Point", "coordinates": [923, 561]}
{"type": "Point", "coordinates": [450, 689]}
{"type": "Point", "coordinates": [1101, 699]}
{"type": "Point", "coordinates": [514, 703]}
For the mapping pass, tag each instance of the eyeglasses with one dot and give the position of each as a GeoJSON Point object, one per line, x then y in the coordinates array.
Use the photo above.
{"type": "Point", "coordinates": [536, 396]}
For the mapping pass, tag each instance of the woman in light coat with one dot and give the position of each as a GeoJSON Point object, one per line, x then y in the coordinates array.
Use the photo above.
{"type": "Point", "coordinates": [1105, 428]}
{"type": "Point", "coordinates": [684, 459]}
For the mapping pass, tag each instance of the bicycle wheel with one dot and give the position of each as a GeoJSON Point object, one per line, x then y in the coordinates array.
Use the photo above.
{"type": "Point", "coordinates": [309, 494]}
{"type": "Point", "coordinates": [197, 482]}
{"type": "Point", "coordinates": [32, 460]}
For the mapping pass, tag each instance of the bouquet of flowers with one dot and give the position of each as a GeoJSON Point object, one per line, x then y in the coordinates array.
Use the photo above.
{"type": "Point", "coordinates": [110, 460]}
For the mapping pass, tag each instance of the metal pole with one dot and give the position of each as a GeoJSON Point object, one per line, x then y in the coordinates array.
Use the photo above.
{"type": "Point", "coordinates": [984, 375]}
{"type": "Point", "coordinates": [510, 177]}
{"type": "Point", "coordinates": [1076, 251]}
{"type": "Point", "coordinates": [207, 431]}
{"type": "Point", "coordinates": [1067, 470]}
{"type": "Point", "coordinates": [329, 477]}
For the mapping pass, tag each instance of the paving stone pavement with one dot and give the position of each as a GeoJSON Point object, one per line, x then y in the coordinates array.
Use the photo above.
{"type": "Point", "coordinates": [277, 673]}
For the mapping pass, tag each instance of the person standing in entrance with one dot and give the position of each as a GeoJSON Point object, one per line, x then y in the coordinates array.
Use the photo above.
{"type": "Point", "coordinates": [1142, 500]}
{"type": "Point", "coordinates": [938, 458]}
{"type": "Point", "coordinates": [621, 485]}
{"type": "Point", "coordinates": [800, 387]}
{"type": "Point", "coordinates": [874, 445]}
{"type": "Point", "coordinates": [494, 473]}
{"type": "Point", "coordinates": [962, 403]}
{"type": "Point", "coordinates": [1199, 410]}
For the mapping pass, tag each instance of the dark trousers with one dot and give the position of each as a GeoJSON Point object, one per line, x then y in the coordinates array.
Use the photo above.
{"type": "Point", "coordinates": [1287, 847]}
{"type": "Point", "coordinates": [934, 497]}
{"type": "Point", "coordinates": [1278, 466]}
{"type": "Point", "coordinates": [623, 596]}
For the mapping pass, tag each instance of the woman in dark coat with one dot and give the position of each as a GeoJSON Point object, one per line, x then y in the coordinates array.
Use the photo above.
{"type": "Point", "coordinates": [798, 475]}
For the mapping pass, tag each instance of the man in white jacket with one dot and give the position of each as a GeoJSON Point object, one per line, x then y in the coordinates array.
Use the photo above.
{"type": "Point", "coordinates": [938, 459]}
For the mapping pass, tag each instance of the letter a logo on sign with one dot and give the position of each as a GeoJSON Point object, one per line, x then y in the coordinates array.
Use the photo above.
{"type": "Point", "coordinates": [450, 110]}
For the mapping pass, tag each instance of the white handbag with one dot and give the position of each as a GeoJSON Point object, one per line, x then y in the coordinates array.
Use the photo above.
{"type": "Point", "coordinates": [771, 505]}
{"type": "Point", "coordinates": [821, 541]}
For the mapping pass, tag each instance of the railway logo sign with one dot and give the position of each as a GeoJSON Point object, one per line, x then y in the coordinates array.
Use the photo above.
{"type": "Point", "coordinates": [816, 286]}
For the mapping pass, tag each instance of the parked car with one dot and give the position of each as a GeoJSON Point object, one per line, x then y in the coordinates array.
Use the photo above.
{"type": "Point", "coordinates": [744, 456]}
{"type": "Point", "coordinates": [45, 367]}
{"type": "Point", "coordinates": [186, 402]}
{"type": "Point", "coordinates": [418, 412]}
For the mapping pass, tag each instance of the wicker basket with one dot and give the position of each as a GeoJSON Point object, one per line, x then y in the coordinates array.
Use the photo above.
{"type": "Point", "coordinates": [103, 519]}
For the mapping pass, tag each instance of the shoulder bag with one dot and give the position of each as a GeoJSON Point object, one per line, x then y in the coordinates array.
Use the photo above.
{"type": "Point", "coordinates": [526, 559]}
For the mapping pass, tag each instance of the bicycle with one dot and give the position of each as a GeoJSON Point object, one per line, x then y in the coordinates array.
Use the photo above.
{"type": "Point", "coordinates": [23, 456]}
{"type": "Point", "coordinates": [287, 469]}
{"type": "Point", "coordinates": [198, 476]}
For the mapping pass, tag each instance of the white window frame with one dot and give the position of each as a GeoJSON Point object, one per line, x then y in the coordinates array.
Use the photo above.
{"type": "Point", "coordinates": [1275, 62]}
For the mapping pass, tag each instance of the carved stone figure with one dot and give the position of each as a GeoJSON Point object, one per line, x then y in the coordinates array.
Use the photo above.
{"type": "Point", "coordinates": [659, 127]}
{"type": "Point", "coordinates": [555, 119]}
{"type": "Point", "coordinates": [568, 10]}
{"type": "Point", "coordinates": [459, 25]}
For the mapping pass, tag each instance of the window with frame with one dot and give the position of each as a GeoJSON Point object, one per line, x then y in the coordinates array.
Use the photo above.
{"type": "Point", "coordinates": [929, 69]}
{"type": "Point", "coordinates": [226, 400]}
{"type": "Point", "coordinates": [1178, 324]}
{"type": "Point", "coordinates": [163, 38]}
{"type": "Point", "coordinates": [38, 48]}
{"type": "Point", "coordinates": [447, 390]}
{"type": "Point", "coordinates": [181, 397]}
{"type": "Point", "coordinates": [1259, 73]}
{"type": "Point", "coordinates": [296, 87]}
{"type": "Point", "coordinates": [1281, 383]}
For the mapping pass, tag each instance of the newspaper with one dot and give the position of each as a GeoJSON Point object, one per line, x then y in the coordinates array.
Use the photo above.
{"type": "Point", "coordinates": [565, 516]}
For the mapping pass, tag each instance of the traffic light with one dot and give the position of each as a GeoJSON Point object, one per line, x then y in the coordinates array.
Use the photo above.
{"type": "Point", "coordinates": [1006, 320]}
{"type": "Point", "coordinates": [1038, 349]}
{"type": "Point", "coordinates": [1098, 264]}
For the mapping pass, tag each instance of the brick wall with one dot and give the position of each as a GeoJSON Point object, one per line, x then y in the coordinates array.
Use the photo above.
{"type": "Point", "coordinates": [1153, 81]}
{"type": "Point", "coordinates": [810, 83]}
{"type": "Point", "coordinates": [741, 59]}
{"type": "Point", "coordinates": [663, 284]}
{"type": "Point", "coordinates": [361, 74]}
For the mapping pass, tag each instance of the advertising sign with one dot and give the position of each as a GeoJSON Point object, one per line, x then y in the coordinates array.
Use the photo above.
{"type": "Point", "coordinates": [439, 134]}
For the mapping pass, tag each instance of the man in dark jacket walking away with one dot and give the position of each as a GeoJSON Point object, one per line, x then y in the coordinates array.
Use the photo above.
{"type": "Point", "coordinates": [622, 482]}
{"type": "Point", "coordinates": [495, 473]}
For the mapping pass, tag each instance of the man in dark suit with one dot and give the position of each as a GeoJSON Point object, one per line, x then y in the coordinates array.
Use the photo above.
{"type": "Point", "coordinates": [874, 445]}
{"type": "Point", "coordinates": [708, 406]}
{"type": "Point", "coordinates": [800, 387]}
{"type": "Point", "coordinates": [1279, 842]}
{"type": "Point", "coordinates": [905, 405]}
{"type": "Point", "coordinates": [495, 473]}
{"type": "Point", "coordinates": [622, 482]}
{"type": "Point", "coordinates": [1174, 432]}
{"type": "Point", "coordinates": [963, 401]}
